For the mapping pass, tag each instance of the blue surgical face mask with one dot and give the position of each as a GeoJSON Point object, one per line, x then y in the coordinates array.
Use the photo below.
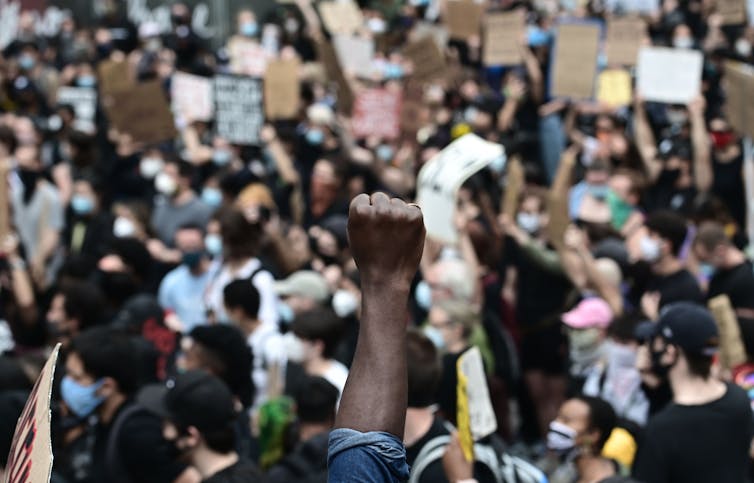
{"type": "Point", "coordinates": [212, 197]}
{"type": "Point", "coordinates": [599, 192]}
{"type": "Point", "coordinates": [214, 244]}
{"type": "Point", "coordinates": [286, 313]}
{"type": "Point", "coordinates": [82, 400]}
{"type": "Point", "coordinates": [434, 334]}
{"type": "Point", "coordinates": [86, 81]}
{"type": "Point", "coordinates": [315, 137]}
{"type": "Point", "coordinates": [423, 295]}
{"type": "Point", "coordinates": [221, 157]}
{"type": "Point", "coordinates": [707, 270]}
{"type": "Point", "coordinates": [81, 205]}
{"type": "Point", "coordinates": [537, 37]}
{"type": "Point", "coordinates": [249, 29]}
{"type": "Point", "coordinates": [393, 71]}
{"type": "Point", "coordinates": [26, 62]}
{"type": "Point", "coordinates": [384, 153]}
{"type": "Point", "coordinates": [529, 222]}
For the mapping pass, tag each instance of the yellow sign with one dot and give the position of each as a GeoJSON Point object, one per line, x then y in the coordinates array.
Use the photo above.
{"type": "Point", "coordinates": [614, 88]}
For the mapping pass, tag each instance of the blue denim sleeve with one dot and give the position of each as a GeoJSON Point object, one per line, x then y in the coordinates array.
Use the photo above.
{"type": "Point", "coordinates": [373, 457]}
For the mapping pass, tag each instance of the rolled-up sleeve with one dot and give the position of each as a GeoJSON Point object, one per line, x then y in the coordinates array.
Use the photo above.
{"type": "Point", "coordinates": [373, 457]}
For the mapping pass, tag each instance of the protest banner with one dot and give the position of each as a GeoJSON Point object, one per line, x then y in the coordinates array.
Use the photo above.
{"type": "Point", "coordinates": [377, 112]}
{"type": "Point", "coordinates": [673, 76]}
{"type": "Point", "coordinates": [282, 89]}
{"type": "Point", "coordinates": [247, 57]}
{"type": "Point", "coordinates": [438, 33]}
{"type": "Point", "coordinates": [83, 100]}
{"type": "Point", "coordinates": [733, 12]}
{"type": "Point", "coordinates": [114, 77]}
{"type": "Point", "coordinates": [614, 88]}
{"type": "Point", "coordinates": [326, 54]}
{"type": "Point", "coordinates": [732, 350]}
{"type": "Point", "coordinates": [192, 96]}
{"type": "Point", "coordinates": [30, 457]}
{"type": "Point", "coordinates": [427, 60]}
{"type": "Point", "coordinates": [341, 16]}
{"type": "Point", "coordinates": [502, 38]}
{"type": "Point", "coordinates": [738, 78]}
{"type": "Point", "coordinates": [514, 184]}
{"type": "Point", "coordinates": [476, 418]}
{"type": "Point", "coordinates": [441, 177]}
{"type": "Point", "coordinates": [575, 60]}
{"type": "Point", "coordinates": [143, 112]}
{"type": "Point", "coordinates": [239, 115]}
{"type": "Point", "coordinates": [463, 18]}
{"type": "Point", "coordinates": [624, 38]}
{"type": "Point", "coordinates": [355, 54]}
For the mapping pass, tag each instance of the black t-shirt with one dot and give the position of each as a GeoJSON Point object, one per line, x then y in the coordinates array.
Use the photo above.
{"type": "Point", "coordinates": [704, 443]}
{"type": "Point", "coordinates": [737, 283]}
{"type": "Point", "coordinates": [242, 471]}
{"type": "Point", "coordinates": [680, 286]}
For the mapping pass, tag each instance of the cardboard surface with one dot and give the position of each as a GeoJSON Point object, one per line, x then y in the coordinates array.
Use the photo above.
{"type": "Point", "coordinates": [614, 88]}
{"type": "Point", "coordinates": [377, 112]}
{"type": "Point", "coordinates": [427, 59]}
{"type": "Point", "coordinates": [142, 112]}
{"type": "Point", "coordinates": [575, 61]}
{"type": "Point", "coordinates": [114, 77]}
{"type": "Point", "coordinates": [341, 16]}
{"type": "Point", "coordinates": [282, 89]}
{"type": "Point", "coordinates": [624, 39]}
{"type": "Point", "coordinates": [355, 54]}
{"type": "Point", "coordinates": [191, 96]}
{"type": "Point", "coordinates": [502, 38]}
{"type": "Point", "coordinates": [463, 18]}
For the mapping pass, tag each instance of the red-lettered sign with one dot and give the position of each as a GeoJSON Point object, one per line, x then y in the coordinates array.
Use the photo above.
{"type": "Point", "coordinates": [377, 112]}
{"type": "Point", "coordinates": [30, 458]}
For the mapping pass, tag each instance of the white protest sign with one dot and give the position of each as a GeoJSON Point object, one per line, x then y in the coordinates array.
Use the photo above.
{"type": "Point", "coordinates": [192, 96]}
{"type": "Point", "coordinates": [84, 103]}
{"type": "Point", "coordinates": [239, 111]}
{"type": "Point", "coordinates": [672, 76]}
{"type": "Point", "coordinates": [355, 54]}
{"type": "Point", "coordinates": [30, 458]}
{"type": "Point", "coordinates": [476, 397]}
{"type": "Point", "coordinates": [442, 176]}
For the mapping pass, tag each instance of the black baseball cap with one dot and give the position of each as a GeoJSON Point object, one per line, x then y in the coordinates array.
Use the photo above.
{"type": "Point", "coordinates": [686, 325]}
{"type": "Point", "coordinates": [194, 398]}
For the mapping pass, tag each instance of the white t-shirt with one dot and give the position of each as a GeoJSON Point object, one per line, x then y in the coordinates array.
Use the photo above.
{"type": "Point", "coordinates": [268, 348]}
{"type": "Point", "coordinates": [336, 375]}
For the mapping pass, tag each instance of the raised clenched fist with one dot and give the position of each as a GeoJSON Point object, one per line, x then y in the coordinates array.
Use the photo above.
{"type": "Point", "coordinates": [386, 238]}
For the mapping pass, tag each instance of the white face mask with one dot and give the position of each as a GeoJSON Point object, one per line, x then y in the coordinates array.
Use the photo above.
{"type": "Point", "coordinates": [377, 25]}
{"type": "Point", "coordinates": [583, 339]}
{"type": "Point", "coordinates": [650, 249]}
{"type": "Point", "coordinates": [149, 167]}
{"type": "Point", "coordinates": [165, 184]}
{"type": "Point", "coordinates": [123, 227]}
{"type": "Point", "coordinates": [683, 42]}
{"type": "Point", "coordinates": [561, 438]}
{"type": "Point", "coordinates": [435, 336]}
{"type": "Point", "coordinates": [294, 348]}
{"type": "Point", "coordinates": [528, 222]}
{"type": "Point", "coordinates": [344, 303]}
{"type": "Point", "coordinates": [743, 47]}
{"type": "Point", "coordinates": [423, 295]}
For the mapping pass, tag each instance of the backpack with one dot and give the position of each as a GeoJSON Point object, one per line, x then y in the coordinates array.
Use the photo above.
{"type": "Point", "coordinates": [503, 467]}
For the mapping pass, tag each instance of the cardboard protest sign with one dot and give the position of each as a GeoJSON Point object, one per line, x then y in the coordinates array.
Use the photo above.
{"type": "Point", "coordinates": [143, 112]}
{"type": "Point", "coordinates": [737, 80]}
{"type": "Point", "coordinates": [441, 177]}
{"type": "Point", "coordinates": [239, 115]}
{"type": "Point", "coordinates": [575, 60]}
{"type": "Point", "coordinates": [282, 89]}
{"type": "Point", "coordinates": [376, 112]}
{"type": "Point", "coordinates": [673, 76]}
{"type": "Point", "coordinates": [355, 54]}
{"type": "Point", "coordinates": [30, 457]}
{"type": "Point", "coordinates": [732, 350]}
{"type": "Point", "coordinates": [733, 12]}
{"type": "Point", "coordinates": [502, 38]}
{"type": "Point", "coordinates": [192, 96]}
{"type": "Point", "coordinates": [476, 418]}
{"type": "Point", "coordinates": [463, 18]}
{"type": "Point", "coordinates": [614, 87]}
{"type": "Point", "coordinates": [247, 57]}
{"type": "Point", "coordinates": [84, 103]}
{"type": "Point", "coordinates": [329, 58]}
{"type": "Point", "coordinates": [624, 38]}
{"type": "Point", "coordinates": [427, 60]}
{"type": "Point", "coordinates": [114, 76]}
{"type": "Point", "coordinates": [341, 16]}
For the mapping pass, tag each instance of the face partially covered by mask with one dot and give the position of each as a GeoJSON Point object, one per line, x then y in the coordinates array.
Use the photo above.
{"type": "Point", "coordinates": [81, 399]}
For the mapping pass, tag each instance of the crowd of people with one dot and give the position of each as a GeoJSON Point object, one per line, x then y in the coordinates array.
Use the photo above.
{"type": "Point", "coordinates": [209, 296]}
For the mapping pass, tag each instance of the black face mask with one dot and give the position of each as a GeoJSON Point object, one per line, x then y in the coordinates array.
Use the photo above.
{"type": "Point", "coordinates": [669, 176]}
{"type": "Point", "coordinates": [658, 368]}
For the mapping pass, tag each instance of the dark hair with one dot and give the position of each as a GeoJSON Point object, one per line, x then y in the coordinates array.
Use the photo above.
{"type": "Point", "coordinates": [185, 169]}
{"type": "Point", "coordinates": [315, 401]}
{"type": "Point", "coordinates": [670, 226]}
{"type": "Point", "coordinates": [242, 293]}
{"type": "Point", "coordinates": [8, 137]}
{"type": "Point", "coordinates": [700, 365]}
{"type": "Point", "coordinates": [711, 235]}
{"type": "Point", "coordinates": [12, 375]}
{"type": "Point", "coordinates": [84, 302]}
{"type": "Point", "coordinates": [106, 352]}
{"type": "Point", "coordinates": [424, 370]}
{"type": "Point", "coordinates": [602, 417]}
{"type": "Point", "coordinates": [220, 440]}
{"type": "Point", "coordinates": [623, 327]}
{"type": "Point", "coordinates": [240, 237]}
{"type": "Point", "coordinates": [229, 358]}
{"type": "Point", "coordinates": [320, 324]}
{"type": "Point", "coordinates": [192, 226]}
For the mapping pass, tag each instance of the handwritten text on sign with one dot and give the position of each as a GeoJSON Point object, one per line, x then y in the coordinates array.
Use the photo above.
{"type": "Point", "coordinates": [377, 113]}
{"type": "Point", "coordinates": [239, 115]}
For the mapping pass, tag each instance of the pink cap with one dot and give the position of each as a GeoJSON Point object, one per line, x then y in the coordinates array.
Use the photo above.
{"type": "Point", "coordinates": [590, 313]}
